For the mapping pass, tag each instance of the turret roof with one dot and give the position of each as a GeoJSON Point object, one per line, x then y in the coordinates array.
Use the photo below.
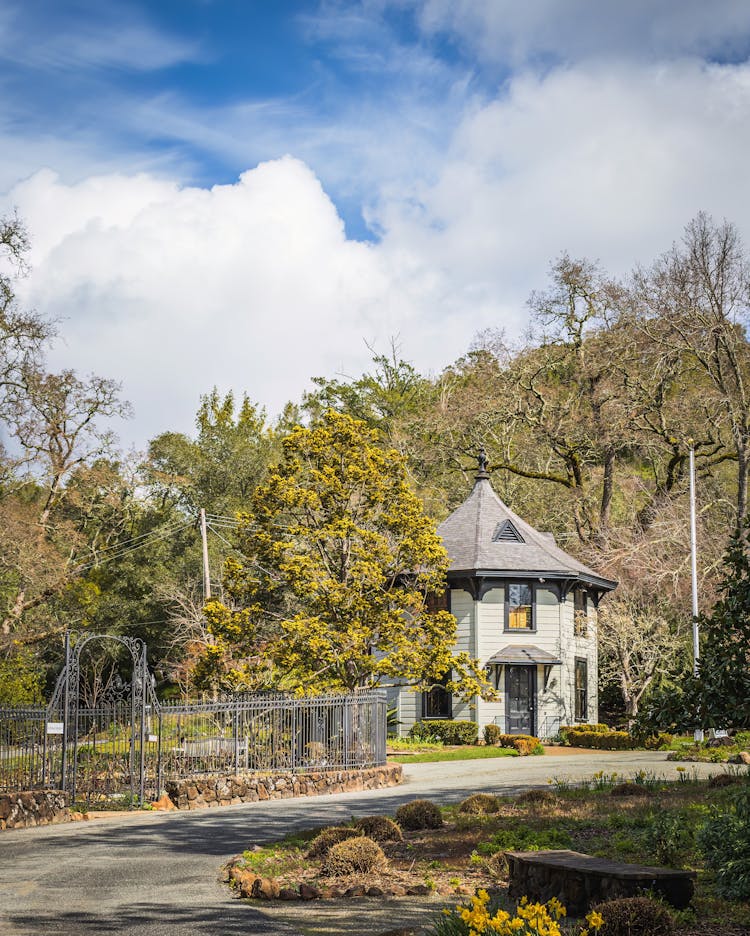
{"type": "Point", "coordinates": [484, 536]}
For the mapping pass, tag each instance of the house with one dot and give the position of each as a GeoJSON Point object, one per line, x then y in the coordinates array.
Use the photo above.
{"type": "Point", "coordinates": [526, 610]}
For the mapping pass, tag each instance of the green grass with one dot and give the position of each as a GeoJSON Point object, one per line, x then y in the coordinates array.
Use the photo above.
{"type": "Point", "coordinates": [467, 752]}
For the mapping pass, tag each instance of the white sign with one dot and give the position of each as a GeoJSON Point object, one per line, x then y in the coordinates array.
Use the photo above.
{"type": "Point", "coordinates": [153, 738]}
{"type": "Point", "coordinates": [55, 727]}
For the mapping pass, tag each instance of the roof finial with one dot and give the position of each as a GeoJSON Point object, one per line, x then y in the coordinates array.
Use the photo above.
{"type": "Point", "coordinates": [482, 474]}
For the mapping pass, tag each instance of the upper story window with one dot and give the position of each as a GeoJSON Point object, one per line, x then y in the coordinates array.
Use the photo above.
{"type": "Point", "coordinates": [440, 602]}
{"type": "Point", "coordinates": [580, 612]}
{"type": "Point", "coordinates": [519, 605]}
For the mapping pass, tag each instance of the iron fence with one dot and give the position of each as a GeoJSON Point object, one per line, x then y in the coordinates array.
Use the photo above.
{"type": "Point", "coordinates": [117, 751]}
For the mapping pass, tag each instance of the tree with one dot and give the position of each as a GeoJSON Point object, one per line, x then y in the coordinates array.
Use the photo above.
{"type": "Point", "coordinates": [695, 302]}
{"type": "Point", "coordinates": [723, 685]}
{"type": "Point", "coordinates": [338, 560]}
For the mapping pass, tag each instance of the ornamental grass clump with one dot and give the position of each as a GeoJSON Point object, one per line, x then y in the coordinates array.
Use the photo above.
{"type": "Point", "coordinates": [379, 829]}
{"type": "Point", "coordinates": [634, 916]}
{"type": "Point", "coordinates": [354, 856]}
{"type": "Point", "coordinates": [484, 918]}
{"type": "Point", "coordinates": [322, 843]}
{"type": "Point", "coordinates": [419, 814]}
{"type": "Point", "coordinates": [538, 798]}
{"type": "Point", "coordinates": [480, 804]}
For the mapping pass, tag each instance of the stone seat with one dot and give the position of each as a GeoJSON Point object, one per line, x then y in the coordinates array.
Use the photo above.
{"type": "Point", "coordinates": [579, 881]}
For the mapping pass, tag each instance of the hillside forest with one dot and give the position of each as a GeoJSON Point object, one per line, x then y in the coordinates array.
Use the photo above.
{"type": "Point", "coordinates": [587, 422]}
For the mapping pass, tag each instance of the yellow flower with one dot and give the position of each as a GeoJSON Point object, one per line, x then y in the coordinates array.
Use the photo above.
{"type": "Point", "coordinates": [595, 920]}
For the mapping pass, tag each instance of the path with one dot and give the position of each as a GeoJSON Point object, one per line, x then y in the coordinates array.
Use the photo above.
{"type": "Point", "coordinates": [157, 874]}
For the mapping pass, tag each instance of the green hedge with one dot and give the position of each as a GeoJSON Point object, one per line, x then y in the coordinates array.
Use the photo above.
{"type": "Point", "coordinates": [447, 731]}
{"type": "Point", "coordinates": [492, 733]}
{"type": "Point", "coordinates": [582, 726]}
{"type": "Point", "coordinates": [603, 741]}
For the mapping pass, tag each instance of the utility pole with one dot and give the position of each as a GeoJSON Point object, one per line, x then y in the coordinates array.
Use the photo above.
{"type": "Point", "coordinates": [206, 570]}
{"type": "Point", "coordinates": [694, 571]}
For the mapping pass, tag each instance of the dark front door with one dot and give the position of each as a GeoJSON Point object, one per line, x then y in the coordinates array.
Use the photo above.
{"type": "Point", "coordinates": [520, 691]}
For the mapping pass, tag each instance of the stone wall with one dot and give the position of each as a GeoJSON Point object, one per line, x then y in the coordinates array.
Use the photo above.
{"type": "Point", "coordinates": [207, 791]}
{"type": "Point", "coordinates": [40, 807]}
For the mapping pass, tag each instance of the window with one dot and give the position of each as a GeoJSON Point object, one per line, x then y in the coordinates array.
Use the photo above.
{"type": "Point", "coordinates": [437, 702]}
{"type": "Point", "coordinates": [436, 603]}
{"type": "Point", "coordinates": [581, 690]}
{"type": "Point", "coordinates": [580, 612]}
{"type": "Point", "coordinates": [520, 605]}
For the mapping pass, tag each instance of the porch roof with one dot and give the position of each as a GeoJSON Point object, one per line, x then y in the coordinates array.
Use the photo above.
{"type": "Point", "coordinates": [523, 654]}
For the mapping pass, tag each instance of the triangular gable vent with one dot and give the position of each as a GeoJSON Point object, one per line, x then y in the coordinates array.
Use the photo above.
{"type": "Point", "coordinates": [505, 532]}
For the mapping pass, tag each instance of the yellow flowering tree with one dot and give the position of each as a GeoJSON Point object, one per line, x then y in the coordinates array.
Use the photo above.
{"type": "Point", "coordinates": [338, 558]}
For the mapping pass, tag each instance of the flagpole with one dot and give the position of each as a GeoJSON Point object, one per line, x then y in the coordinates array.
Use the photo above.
{"type": "Point", "coordinates": [694, 573]}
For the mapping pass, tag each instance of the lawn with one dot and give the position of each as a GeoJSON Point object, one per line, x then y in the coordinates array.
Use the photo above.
{"type": "Point", "coordinates": [461, 752]}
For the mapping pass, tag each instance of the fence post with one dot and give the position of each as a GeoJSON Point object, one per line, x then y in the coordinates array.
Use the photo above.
{"type": "Point", "coordinates": [66, 691]}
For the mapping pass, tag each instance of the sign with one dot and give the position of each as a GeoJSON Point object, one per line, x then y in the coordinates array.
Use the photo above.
{"type": "Point", "coordinates": [153, 738]}
{"type": "Point", "coordinates": [55, 727]}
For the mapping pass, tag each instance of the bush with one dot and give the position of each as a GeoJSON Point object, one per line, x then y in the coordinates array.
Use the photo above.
{"type": "Point", "coordinates": [657, 742]}
{"type": "Point", "coordinates": [724, 843]}
{"type": "Point", "coordinates": [538, 798]}
{"type": "Point", "coordinates": [379, 828]}
{"type": "Point", "coordinates": [322, 843]}
{"type": "Point", "coordinates": [445, 730]}
{"type": "Point", "coordinates": [582, 726]}
{"type": "Point", "coordinates": [480, 804]}
{"type": "Point", "coordinates": [722, 780]}
{"type": "Point", "coordinates": [354, 856]}
{"type": "Point", "coordinates": [601, 740]}
{"type": "Point", "coordinates": [492, 734]}
{"type": "Point", "coordinates": [524, 744]}
{"type": "Point", "coordinates": [634, 916]}
{"type": "Point", "coordinates": [419, 814]}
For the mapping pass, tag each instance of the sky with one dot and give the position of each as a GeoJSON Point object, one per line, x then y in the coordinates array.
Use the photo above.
{"type": "Point", "coordinates": [250, 193]}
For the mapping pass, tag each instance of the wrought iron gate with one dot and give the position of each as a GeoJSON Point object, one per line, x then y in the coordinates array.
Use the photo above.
{"type": "Point", "coordinates": [104, 748]}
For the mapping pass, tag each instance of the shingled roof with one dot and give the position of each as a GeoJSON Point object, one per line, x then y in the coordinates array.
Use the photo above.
{"type": "Point", "coordinates": [484, 537]}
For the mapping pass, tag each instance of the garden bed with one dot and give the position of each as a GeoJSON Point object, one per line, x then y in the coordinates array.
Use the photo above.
{"type": "Point", "coordinates": [644, 821]}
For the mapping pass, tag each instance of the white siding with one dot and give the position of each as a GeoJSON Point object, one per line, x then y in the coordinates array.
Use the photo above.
{"type": "Point", "coordinates": [462, 608]}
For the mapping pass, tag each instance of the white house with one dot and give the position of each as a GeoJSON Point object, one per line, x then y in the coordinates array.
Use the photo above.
{"type": "Point", "coordinates": [526, 610]}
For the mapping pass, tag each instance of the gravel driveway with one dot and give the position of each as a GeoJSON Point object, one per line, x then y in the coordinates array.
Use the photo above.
{"type": "Point", "coordinates": [157, 874]}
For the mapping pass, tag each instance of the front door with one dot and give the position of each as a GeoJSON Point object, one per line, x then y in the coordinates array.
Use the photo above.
{"type": "Point", "coordinates": [520, 692]}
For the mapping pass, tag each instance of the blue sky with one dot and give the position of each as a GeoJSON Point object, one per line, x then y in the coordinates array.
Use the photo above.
{"type": "Point", "coordinates": [250, 194]}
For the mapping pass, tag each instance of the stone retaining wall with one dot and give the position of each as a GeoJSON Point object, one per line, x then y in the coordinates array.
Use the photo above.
{"type": "Point", "coordinates": [39, 807]}
{"type": "Point", "coordinates": [207, 791]}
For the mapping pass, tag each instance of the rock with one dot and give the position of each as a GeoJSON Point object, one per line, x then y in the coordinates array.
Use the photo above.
{"type": "Point", "coordinates": [265, 889]}
{"type": "Point", "coordinates": [308, 892]}
{"type": "Point", "coordinates": [336, 892]}
{"type": "Point", "coordinates": [288, 893]}
{"type": "Point", "coordinates": [445, 890]}
{"type": "Point", "coordinates": [246, 883]}
{"type": "Point", "coordinates": [464, 890]}
{"type": "Point", "coordinates": [375, 891]}
{"type": "Point", "coordinates": [397, 890]}
{"type": "Point", "coordinates": [418, 890]}
{"type": "Point", "coordinates": [236, 874]}
{"type": "Point", "coordinates": [744, 757]}
{"type": "Point", "coordinates": [164, 803]}
{"type": "Point", "coordinates": [356, 891]}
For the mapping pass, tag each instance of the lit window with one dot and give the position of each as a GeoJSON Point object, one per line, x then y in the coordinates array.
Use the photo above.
{"type": "Point", "coordinates": [520, 607]}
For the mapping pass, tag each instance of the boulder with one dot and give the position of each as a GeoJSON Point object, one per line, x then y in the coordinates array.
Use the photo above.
{"type": "Point", "coordinates": [308, 892]}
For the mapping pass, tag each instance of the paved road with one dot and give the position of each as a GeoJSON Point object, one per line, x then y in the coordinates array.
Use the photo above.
{"type": "Point", "coordinates": [157, 874]}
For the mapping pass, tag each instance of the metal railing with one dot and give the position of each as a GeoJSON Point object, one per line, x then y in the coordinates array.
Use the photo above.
{"type": "Point", "coordinates": [107, 751]}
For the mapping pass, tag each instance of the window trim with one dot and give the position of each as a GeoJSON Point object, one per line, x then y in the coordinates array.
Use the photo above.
{"type": "Point", "coordinates": [506, 611]}
{"type": "Point", "coordinates": [580, 614]}
{"type": "Point", "coordinates": [439, 684]}
{"type": "Point", "coordinates": [583, 661]}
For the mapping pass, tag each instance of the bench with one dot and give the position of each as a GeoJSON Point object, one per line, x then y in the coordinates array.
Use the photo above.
{"type": "Point", "coordinates": [580, 881]}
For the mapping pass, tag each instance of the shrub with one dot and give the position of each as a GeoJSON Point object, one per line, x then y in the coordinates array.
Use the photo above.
{"type": "Point", "coordinates": [601, 740]}
{"type": "Point", "coordinates": [322, 843]}
{"type": "Point", "coordinates": [491, 734]}
{"type": "Point", "coordinates": [419, 814]}
{"type": "Point", "coordinates": [354, 856]}
{"type": "Point", "coordinates": [520, 837]}
{"type": "Point", "coordinates": [657, 742]}
{"type": "Point", "coordinates": [582, 726]}
{"type": "Point", "coordinates": [524, 744]}
{"type": "Point", "coordinates": [379, 828]}
{"type": "Point", "coordinates": [724, 843]}
{"type": "Point", "coordinates": [445, 730]}
{"type": "Point", "coordinates": [634, 916]}
{"type": "Point", "coordinates": [538, 798]}
{"type": "Point", "coordinates": [480, 804]}
{"type": "Point", "coordinates": [668, 837]}
{"type": "Point", "coordinates": [722, 780]}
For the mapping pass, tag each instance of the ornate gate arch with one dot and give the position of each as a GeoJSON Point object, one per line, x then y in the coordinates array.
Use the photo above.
{"type": "Point", "coordinates": [127, 710]}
